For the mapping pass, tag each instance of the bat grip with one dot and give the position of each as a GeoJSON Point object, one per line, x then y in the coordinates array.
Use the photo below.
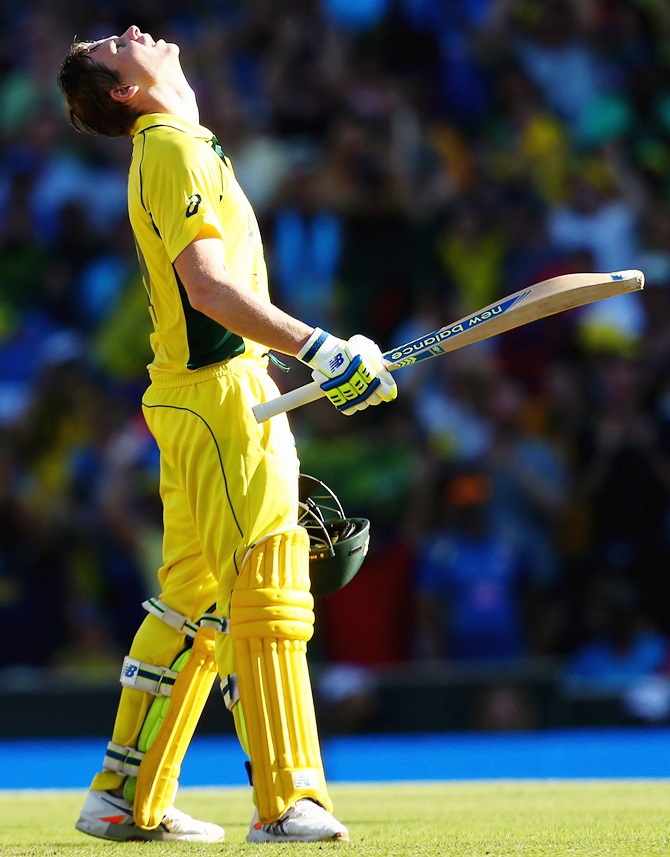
{"type": "Point", "coordinates": [293, 399]}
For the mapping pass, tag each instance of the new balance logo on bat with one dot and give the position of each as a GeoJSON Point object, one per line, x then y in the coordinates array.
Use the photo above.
{"type": "Point", "coordinates": [431, 343]}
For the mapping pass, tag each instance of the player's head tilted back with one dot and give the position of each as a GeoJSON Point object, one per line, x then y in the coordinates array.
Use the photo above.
{"type": "Point", "coordinates": [108, 83]}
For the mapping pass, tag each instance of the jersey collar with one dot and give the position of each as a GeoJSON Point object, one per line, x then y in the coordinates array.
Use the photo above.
{"type": "Point", "coordinates": [150, 120]}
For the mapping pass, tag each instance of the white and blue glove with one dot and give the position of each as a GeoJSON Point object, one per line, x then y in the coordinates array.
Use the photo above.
{"type": "Point", "coordinates": [352, 374]}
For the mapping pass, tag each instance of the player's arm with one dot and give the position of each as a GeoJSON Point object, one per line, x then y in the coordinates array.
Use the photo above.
{"type": "Point", "coordinates": [352, 374]}
{"type": "Point", "coordinates": [211, 291]}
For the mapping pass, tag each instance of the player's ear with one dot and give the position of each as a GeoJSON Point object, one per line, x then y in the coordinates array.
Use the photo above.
{"type": "Point", "coordinates": [124, 93]}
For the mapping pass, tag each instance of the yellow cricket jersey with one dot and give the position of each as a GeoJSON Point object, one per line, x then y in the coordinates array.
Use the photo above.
{"type": "Point", "coordinates": [181, 186]}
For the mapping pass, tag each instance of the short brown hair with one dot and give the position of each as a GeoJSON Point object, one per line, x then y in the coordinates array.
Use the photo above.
{"type": "Point", "coordinates": [86, 86]}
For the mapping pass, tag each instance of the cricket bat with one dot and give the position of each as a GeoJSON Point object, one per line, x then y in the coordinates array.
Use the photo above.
{"type": "Point", "coordinates": [535, 302]}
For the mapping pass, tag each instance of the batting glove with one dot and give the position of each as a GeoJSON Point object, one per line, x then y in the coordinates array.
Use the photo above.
{"type": "Point", "coordinates": [352, 374]}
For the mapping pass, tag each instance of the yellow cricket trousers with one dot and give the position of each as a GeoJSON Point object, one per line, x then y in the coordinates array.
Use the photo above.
{"type": "Point", "coordinates": [225, 482]}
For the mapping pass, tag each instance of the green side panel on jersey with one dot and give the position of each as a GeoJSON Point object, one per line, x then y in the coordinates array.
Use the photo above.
{"type": "Point", "coordinates": [208, 341]}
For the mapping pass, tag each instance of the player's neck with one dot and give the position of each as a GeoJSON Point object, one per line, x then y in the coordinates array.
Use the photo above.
{"type": "Point", "coordinates": [177, 100]}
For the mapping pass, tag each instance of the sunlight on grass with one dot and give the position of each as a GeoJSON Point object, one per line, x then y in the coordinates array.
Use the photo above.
{"type": "Point", "coordinates": [492, 819]}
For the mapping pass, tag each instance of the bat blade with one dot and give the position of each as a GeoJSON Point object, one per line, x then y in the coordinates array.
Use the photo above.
{"type": "Point", "coordinates": [549, 297]}
{"type": "Point", "coordinates": [539, 301]}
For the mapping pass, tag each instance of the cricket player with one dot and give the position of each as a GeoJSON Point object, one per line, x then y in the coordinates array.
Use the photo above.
{"type": "Point", "coordinates": [234, 596]}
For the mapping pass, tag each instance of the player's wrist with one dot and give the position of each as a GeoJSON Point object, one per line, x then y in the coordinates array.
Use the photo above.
{"type": "Point", "coordinates": [325, 353]}
{"type": "Point", "coordinates": [312, 346]}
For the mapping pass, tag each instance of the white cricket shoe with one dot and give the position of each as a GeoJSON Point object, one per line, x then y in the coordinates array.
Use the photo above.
{"type": "Point", "coordinates": [305, 821]}
{"type": "Point", "coordinates": [110, 817]}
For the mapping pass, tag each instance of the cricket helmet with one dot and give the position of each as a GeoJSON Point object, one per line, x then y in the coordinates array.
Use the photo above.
{"type": "Point", "coordinates": [337, 544]}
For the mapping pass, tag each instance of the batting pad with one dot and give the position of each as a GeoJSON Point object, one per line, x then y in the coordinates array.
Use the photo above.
{"type": "Point", "coordinates": [158, 773]}
{"type": "Point", "coordinates": [271, 621]}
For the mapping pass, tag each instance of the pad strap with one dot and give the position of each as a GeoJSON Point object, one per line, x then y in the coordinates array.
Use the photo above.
{"type": "Point", "coordinates": [217, 623]}
{"type": "Point", "coordinates": [171, 617]}
{"type": "Point", "coordinates": [122, 760]}
{"type": "Point", "coordinates": [182, 623]}
{"type": "Point", "coordinates": [230, 691]}
{"type": "Point", "coordinates": [148, 678]}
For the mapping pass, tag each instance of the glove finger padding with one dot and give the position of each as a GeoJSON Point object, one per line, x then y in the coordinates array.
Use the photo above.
{"type": "Point", "coordinates": [352, 374]}
{"type": "Point", "coordinates": [372, 355]}
{"type": "Point", "coordinates": [353, 388]}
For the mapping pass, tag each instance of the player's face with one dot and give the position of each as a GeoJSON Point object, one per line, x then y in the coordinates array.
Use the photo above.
{"type": "Point", "coordinates": [135, 56]}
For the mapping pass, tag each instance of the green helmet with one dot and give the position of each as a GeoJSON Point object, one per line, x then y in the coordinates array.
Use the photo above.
{"type": "Point", "coordinates": [337, 544]}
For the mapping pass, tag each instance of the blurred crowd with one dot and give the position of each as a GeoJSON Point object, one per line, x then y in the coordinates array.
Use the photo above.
{"type": "Point", "coordinates": [410, 161]}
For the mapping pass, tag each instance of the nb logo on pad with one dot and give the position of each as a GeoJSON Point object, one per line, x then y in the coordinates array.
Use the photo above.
{"type": "Point", "coordinates": [304, 779]}
{"type": "Point", "coordinates": [129, 669]}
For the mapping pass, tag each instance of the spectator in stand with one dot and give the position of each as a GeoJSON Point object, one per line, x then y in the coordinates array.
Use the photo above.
{"type": "Point", "coordinates": [378, 241]}
{"type": "Point", "coordinates": [527, 144]}
{"type": "Point", "coordinates": [307, 241]}
{"type": "Point", "coordinates": [470, 578]}
{"type": "Point", "coordinates": [32, 576]}
{"type": "Point", "coordinates": [530, 479]}
{"type": "Point", "coordinates": [621, 646]}
{"type": "Point", "coordinates": [472, 246]}
{"type": "Point", "coordinates": [551, 40]}
{"type": "Point", "coordinates": [624, 461]}
{"type": "Point", "coordinates": [595, 216]}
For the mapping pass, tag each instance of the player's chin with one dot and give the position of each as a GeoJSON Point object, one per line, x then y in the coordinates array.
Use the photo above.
{"type": "Point", "coordinates": [170, 54]}
{"type": "Point", "coordinates": [163, 47]}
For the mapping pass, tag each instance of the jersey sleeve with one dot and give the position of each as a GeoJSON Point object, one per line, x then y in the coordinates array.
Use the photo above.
{"type": "Point", "coordinates": [182, 185]}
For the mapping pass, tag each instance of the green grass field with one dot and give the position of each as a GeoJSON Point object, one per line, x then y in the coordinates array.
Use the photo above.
{"type": "Point", "coordinates": [492, 819]}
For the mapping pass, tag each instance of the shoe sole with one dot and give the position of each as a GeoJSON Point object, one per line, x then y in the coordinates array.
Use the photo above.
{"type": "Point", "coordinates": [138, 835]}
{"type": "Point", "coordinates": [261, 836]}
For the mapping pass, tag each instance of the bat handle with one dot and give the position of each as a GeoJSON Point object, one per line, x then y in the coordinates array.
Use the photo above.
{"type": "Point", "coordinates": [293, 399]}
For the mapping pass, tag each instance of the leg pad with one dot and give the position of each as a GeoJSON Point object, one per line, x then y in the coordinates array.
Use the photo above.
{"type": "Point", "coordinates": [158, 774]}
{"type": "Point", "coordinates": [271, 621]}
